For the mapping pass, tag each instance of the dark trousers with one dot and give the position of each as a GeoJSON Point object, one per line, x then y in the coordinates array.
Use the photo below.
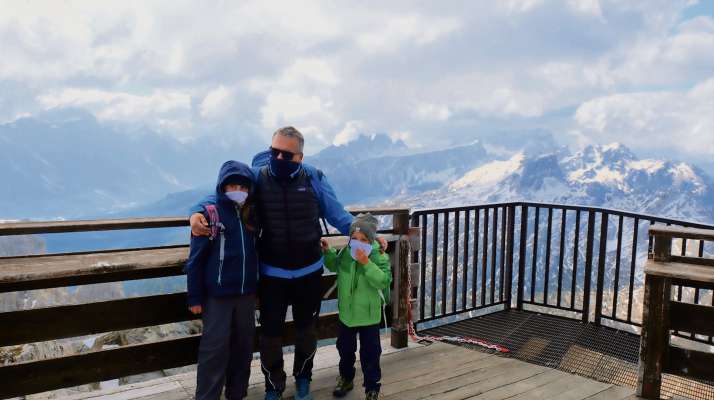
{"type": "Point", "coordinates": [305, 296]}
{"type": "Point", "coordinates": [370, 349]}
{"type": "Point", "coordinates": [226, 348]}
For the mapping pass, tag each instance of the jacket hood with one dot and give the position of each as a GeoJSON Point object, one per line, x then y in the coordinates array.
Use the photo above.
{"type": "Point", "coordinates": [231, 168]}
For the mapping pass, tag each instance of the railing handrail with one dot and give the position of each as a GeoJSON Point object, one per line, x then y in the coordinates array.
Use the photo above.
{"type": "Point", "coordinates": [72, 226]}
{"type": "Point", "coordinates": [611, 211]}
{"type": "Point", "coordinates": [682, 233]}
{"type": "Point", "coordinates": [41, 227]}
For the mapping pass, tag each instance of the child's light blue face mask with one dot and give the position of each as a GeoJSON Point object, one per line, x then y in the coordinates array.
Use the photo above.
{"type": "Point", "coordinates": [238, 196]}
{"type": "Point", "coordinates": [357, 245]}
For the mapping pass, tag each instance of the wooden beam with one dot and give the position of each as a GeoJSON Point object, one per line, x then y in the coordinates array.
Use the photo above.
{"type": "Point", "coordinates": [680, 232]}
{"type": "Point", "coordinates": [85, 319]}
{"type": "Point", "coordinates": [654, 340]}
{"type": "Point", "coordinates": [27, 273]}
{"type": "Point", "coordinates": [680, 271]}
{"type": "Point", "coordinates": [690, 363]}
{"type": "Point", "coordinates": [39, 376]}
{"type": "Point", "coordinates": [662, 248]}
{"type": "Point", "coordinates": [400, 265]}
{"type": "Point", "coordinates": [380, 211]}
{"type": "Point", "coordinates": [693, 260]}
{"type": "Point", "coordinates": [692, 318]}
{"type": "Point", "coordinates": [40, 227]}
{"type": "Point", "coordinates": [77, 320]}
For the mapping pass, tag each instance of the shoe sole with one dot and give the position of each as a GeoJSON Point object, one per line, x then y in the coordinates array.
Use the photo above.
{"type": "Point", "coordinates": [341, 395]}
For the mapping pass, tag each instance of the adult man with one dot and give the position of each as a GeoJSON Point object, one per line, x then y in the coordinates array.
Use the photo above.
{"type": "Point", "coordinates": [291, 197]}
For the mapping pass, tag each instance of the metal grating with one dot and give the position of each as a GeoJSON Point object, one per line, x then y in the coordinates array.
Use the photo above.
{"type": "Point", "coordinates": [596, 352]}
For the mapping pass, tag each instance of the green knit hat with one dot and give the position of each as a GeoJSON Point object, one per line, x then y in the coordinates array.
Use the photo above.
{"type": "Point", "coordinates": [365, 223]}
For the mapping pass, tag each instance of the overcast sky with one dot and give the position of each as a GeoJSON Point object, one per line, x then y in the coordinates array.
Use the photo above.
{"type": "Point", "coordinates": [432, 73]}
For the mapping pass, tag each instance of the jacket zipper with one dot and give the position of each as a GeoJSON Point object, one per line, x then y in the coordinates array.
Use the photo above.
{"type": "Point", "coordinates": [242, 242]}
{"type": "Point", "coordinates": [221, 253]}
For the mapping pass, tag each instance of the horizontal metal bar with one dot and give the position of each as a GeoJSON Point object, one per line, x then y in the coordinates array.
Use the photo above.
{"type": "Point", "coordinates": [627, 214]}
{"type": "Point", "coordinates": [534, 303]}
{"type": "Point", "coordinates": [458, 312]}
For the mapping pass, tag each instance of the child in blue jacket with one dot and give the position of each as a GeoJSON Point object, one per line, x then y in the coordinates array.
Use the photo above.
{"type": "Point", "coordinates": [222, 276]}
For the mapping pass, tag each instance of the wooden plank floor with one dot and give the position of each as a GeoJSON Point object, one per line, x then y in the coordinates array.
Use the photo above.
{"type": "Point", "coordinates": [437, 371]}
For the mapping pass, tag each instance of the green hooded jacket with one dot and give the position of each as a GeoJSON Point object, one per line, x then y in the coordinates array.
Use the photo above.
{"type": "Point", "coordinates": [360, 287]}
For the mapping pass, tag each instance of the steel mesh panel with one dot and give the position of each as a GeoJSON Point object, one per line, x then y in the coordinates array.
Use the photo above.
{"type": "Point", "coordinates": [596, 352]}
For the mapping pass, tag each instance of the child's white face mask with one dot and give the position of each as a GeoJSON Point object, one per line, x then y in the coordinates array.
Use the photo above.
{"type": "Point", "coordinates": [357, 245]}
{"type": "Point", "coordinates": [238, 196]}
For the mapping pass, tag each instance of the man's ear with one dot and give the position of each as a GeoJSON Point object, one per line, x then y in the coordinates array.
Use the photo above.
{"type": "Point", "coordinates": [299, 157]}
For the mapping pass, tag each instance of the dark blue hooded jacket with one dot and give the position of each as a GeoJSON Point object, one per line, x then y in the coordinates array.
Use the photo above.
{"type": "Point", "coordinates": [239, 273]}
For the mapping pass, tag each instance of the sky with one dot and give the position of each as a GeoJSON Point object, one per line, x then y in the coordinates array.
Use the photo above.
{"type": "Point", "coordinates": [433, 74]}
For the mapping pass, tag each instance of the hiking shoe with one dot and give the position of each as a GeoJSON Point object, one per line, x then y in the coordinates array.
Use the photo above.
{"type": "Point", "coordinates": [302, 389]}
{"type": "Point", "coordinates": [273, 395]}
{"type": "Point", "coordinates": [373, 395]}
{"type": "Point", "coordinates": [343, 386]}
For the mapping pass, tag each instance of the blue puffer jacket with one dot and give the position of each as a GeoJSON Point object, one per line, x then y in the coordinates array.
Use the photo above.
{"type": "Point", "coordinates": [239, 272]}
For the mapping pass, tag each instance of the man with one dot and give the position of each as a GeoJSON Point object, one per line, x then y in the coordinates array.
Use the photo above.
{"type": "Point", "coordinates": [291, 197]}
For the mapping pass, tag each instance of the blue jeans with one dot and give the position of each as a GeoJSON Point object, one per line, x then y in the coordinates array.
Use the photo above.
{"type": "Point", "coordinates": [370, 350]}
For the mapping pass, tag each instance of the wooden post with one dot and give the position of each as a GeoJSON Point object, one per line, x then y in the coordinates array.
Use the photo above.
{"type": "Point", "coordinates": [401, 264]}
{"type": "Point", "coordinates": [662, 248]}
{"type": "Point", "coordinates": [654, 341]}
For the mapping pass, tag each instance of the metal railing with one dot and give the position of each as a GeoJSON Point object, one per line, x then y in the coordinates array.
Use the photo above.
{"type": "Point", "coordinates": [579, 262]}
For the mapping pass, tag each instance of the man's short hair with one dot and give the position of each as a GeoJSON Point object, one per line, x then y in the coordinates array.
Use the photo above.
{"type": "Point", "coordinates": [291, 132]}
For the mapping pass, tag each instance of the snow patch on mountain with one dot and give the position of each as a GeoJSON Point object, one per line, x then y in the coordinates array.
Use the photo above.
{"type": "Point", "coordinates": [608, 176]}
{"type": "Point", "coordinates": [490, 174]}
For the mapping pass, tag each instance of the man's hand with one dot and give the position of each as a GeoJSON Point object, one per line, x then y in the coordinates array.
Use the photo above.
{"type": "Point", "coordinates": [324, 245]}
{"type": "Point", "coordinates": [199, 225]}
{"type": "Point", "coordinates": [382, 244]}
{"type": "Point", "coordinates": [362, 257]}
{"type": "Point", "coordinates": [195, 310]}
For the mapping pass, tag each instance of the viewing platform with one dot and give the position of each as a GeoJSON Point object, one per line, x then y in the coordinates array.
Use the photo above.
{"type": "Point", "coordinates": [437, 371]}
{"type": "Point", "coordinates": [562, 288]}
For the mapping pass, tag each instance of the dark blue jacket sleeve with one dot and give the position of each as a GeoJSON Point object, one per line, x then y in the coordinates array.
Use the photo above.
{"type": "Point", "coordinates": [199, 208]}
{"type": "Point", "coordinates": [196, 268]}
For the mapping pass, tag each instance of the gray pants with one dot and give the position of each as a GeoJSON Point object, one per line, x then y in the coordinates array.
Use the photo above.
{"type": "Point", "coordinates": [226, 348]}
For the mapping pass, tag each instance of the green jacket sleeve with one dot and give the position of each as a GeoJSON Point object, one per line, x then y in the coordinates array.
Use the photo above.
{"type": "Point", "coordinates": [378, 271]}
{"type": "Point", "coordinates": [330, 259]}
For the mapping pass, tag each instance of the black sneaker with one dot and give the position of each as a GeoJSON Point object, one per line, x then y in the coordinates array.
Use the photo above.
{"type": "Point", "coordinates": [373, 395]}
{"type": "Point", "coordinates": [343, 386]}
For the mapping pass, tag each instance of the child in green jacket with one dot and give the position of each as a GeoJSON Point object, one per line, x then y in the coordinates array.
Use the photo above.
{"type": "Point", "coordinates": [363, 279]}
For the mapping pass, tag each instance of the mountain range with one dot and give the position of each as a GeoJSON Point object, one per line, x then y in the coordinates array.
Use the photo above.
{"type": "Point", "coordinates": [66, 164]}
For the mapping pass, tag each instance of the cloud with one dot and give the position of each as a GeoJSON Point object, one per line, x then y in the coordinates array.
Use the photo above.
{"type": "Point", "coordinates": [653, 120]}
{"type": "Point", "coordinates": [167, 109]}
{"type": "Point", "coordinates": [350, 131]}
{"type": "Point", "coordinates": [411, 29]}
{"type": "Point", "coordinates": [217, 103]}
{"type": "Point", "coordinates": [438, 71]}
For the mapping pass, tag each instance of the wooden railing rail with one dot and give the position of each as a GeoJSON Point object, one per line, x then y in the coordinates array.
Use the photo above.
{"type": "Point", "coordinates": [65, 321]}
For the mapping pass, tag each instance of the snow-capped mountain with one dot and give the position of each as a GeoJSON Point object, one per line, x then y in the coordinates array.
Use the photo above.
{"type": "Point", "coordinates": [608, 176]}
{"type": "Point", "coordinates": [368, 177]}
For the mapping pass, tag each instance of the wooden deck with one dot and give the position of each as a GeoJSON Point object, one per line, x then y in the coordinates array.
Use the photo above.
{"type": "Point", "coordinates": [437, 371]}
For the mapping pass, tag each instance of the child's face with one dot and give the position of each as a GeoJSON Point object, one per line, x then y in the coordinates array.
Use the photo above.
{"type": "Point", "coordinates": [235, 188]}
{"type": "Point", "coordinates": [361, 237]}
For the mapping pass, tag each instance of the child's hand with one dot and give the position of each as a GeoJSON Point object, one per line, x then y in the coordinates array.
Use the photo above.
{"type": "Point", "coordinates": [324, 245]}
{"type": "Point", "coordinates": [199, 225]}
{"type": "Point", "coordinates": [382, 244]}
{"type": "Point", "coordinates": [195, 310]}
{"type": "Point", "coordinates": [362, 257]}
